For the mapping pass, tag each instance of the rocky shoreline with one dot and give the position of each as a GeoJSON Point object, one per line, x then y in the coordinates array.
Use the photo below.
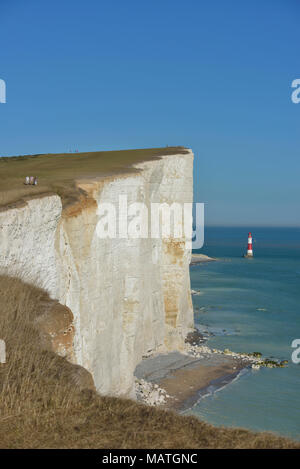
{"type": "Point", "coordinates": [200, 258]}
{"type": "Point", "coordinates": [177, 380]}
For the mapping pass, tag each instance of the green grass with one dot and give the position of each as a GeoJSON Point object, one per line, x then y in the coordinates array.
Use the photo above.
{"type": "Point", "coordinates": [58, 172]}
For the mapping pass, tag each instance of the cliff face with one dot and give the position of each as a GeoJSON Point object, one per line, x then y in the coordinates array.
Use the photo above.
{"type": "Point", "coordinates": [127, 296]}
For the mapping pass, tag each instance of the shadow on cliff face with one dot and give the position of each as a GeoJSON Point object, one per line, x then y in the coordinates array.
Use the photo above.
{"type": "Point", "coordinates": [48, 402]}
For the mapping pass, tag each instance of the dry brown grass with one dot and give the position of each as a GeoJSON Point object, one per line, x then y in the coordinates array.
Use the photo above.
{"type": "Point", "coordinates": [40, 408]}
{"type": "Point", "coordinates": [58, 172]}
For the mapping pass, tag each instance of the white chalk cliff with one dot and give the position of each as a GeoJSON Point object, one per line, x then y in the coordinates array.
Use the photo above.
{"type": "Point", "coordinates": [127, 296]}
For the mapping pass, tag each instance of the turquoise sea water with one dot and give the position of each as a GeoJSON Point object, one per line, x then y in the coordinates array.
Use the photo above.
{"type": "Point", "coordinates": [252, 305]}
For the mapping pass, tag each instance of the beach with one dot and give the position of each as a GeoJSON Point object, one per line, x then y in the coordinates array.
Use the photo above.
{"type": "Point", "coordinates": [185, 379]}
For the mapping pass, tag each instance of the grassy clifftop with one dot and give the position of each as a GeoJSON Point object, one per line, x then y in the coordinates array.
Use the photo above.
{"type": "Point", "coordinates": [43, 406]}
{"type": "Point", "coordinates": [58, 172]}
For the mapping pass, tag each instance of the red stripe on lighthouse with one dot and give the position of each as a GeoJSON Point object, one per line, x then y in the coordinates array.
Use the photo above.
{"type": "Point", "coordinates": [249, 250]}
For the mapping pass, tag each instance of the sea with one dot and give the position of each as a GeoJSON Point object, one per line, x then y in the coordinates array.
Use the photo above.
{"type": "Point", "coordinates": [252, 305]}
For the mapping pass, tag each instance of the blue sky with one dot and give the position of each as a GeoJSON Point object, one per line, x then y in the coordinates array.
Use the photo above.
{"type": "Point", "coordinates": [212, 75]}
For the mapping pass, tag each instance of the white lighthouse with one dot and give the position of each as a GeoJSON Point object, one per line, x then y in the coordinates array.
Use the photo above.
{"type": "Point", "coordinates": [249, 250]}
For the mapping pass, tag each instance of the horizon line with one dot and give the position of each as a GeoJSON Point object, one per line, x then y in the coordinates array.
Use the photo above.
{"type": "Point", "coordinates": [251, 225]}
